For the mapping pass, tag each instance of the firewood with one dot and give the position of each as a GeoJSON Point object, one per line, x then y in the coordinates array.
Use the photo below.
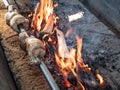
{"type": "Point", "coordinates": [49, 25]}
{"type": "Point", "coordinates": [62, 47]}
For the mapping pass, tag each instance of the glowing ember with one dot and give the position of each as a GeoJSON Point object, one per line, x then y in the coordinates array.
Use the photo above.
{"type": "Point", "coordinates": [67, 60]}
{"type": "Point", "coordinates": [67, 83]}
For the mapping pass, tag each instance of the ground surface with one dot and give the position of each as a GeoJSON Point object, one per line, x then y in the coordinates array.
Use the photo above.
{"type": "Point", "coordinates": [101, 45]}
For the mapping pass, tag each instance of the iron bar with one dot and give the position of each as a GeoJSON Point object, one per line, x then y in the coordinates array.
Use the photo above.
{"type": "Point", "coordinates": [48, 76]}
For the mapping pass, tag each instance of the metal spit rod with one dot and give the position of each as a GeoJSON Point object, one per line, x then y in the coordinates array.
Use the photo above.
{"type": "Point", "coordinates": [48, 76]}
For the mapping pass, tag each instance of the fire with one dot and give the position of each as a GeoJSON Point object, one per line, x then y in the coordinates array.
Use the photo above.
{"type": "Point", "coordinates": [67, 83]}
{"type": "Point", "coordinates": [79, 55]}
{"type": "Point", "coordinates": [69, 65]}
{"type": "Point", "coordinates": [43, 11]}
{"type": "Point", "coordinates": [67, 60]}
{"type": "Point", "coordinates": [100, 79]}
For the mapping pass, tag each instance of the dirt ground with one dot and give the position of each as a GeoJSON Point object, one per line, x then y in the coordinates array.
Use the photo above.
{"type": "Point", "coordinates": [100, 44]}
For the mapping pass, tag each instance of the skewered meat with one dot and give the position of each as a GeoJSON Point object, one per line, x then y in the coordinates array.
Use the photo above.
{"type": "Point", "coordinates": [35, 48]}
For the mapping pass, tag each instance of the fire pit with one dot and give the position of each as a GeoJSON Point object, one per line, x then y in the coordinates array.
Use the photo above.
{"type": "Point", "coordinates": [73, 69]}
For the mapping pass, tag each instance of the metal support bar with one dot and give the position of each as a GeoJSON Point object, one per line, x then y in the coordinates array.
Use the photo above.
{"type": "Point", "coordinates": [48, 76]}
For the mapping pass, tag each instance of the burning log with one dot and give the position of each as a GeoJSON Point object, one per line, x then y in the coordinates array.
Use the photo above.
{"type": "Point", "coordinates": [48, 28]}
{"type": "Point", "coordinates": [49, 25]}
{"type": "Point", "coordinates": [63, 51]}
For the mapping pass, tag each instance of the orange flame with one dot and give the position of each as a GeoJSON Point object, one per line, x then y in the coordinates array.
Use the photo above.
{"type": "Point", "coordinates": [70, 64]}
{"type": "Point", "coordinates": [42, 13]}
{"type": "Point", "coordinates": [100, 79]}
{"type": "Point", "coordinates": [79, 55]}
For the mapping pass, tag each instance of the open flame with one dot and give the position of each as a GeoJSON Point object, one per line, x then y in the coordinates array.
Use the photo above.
{"type": "Point", "coordinates": [43, 15]}
{"type": "Point", "coordinates": [102, 83]}
{"type": "Point", "coordinates": [69, 64]}
{"type": "Point", "coordinates": [67, 60]}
